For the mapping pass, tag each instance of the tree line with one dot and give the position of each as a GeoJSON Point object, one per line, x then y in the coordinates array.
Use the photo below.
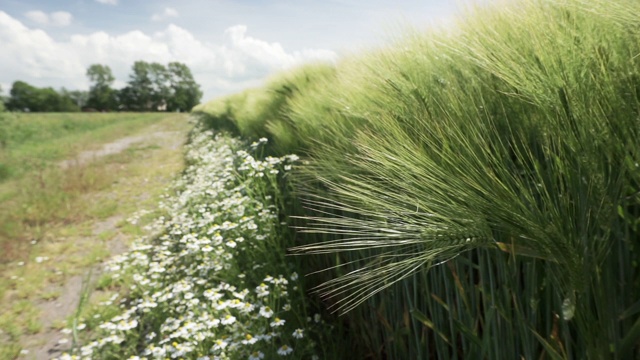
{"type": "Point", "coordinates": [151, 87]}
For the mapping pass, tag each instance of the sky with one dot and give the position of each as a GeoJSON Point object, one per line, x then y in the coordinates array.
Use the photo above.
{"type": "Point", "coordinates": [229, 45]}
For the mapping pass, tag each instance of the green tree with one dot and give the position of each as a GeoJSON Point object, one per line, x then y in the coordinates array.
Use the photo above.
{"type": "Point", "coordinates": [60, 101]}
{"type": "Point", "coordinates": [2, 100]}
{"type": "Point", "coordinates": [140, 87]}
{"type": "Point", "coordinates": [101, 95]}
{"type": "Point", "coordinates": [25, 97]}
{"type": "Point", "coordinates": [148, 87]}
{"type": "Point", "coordinates": [161, 91]}
{"type": "Point", "coordinates": [79, 97]}
{"type": "Point", "coordinates": [127, 99]}
{"type": "Point", "coordinates": [185, 92]}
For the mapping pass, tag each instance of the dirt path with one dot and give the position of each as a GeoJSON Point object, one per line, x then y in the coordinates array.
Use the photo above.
{"type": "Point", "coordinates": [121, 144]}
{"type": "Point", "coordinates": [149, 160]}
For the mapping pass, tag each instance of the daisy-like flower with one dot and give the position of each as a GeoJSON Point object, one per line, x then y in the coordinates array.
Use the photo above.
{"type": "Point", "coordinates": [247, 307]}
{"type": "Point", "coordinates": [173, 270]}
{"type": "Point", "coordinates": [277, 322]}
{"type": "Point", "coordinates": [249, 340]}
{"type": "Point", "coordinates": [266, 311]}
{"type": "Point", "coordinates": [220, 344]}
{"type": "Point", "coordinates": [262, 290]}
{"type": "Point", "coordinates": [285, 350]}
{"type": "Point", "coordinates": [228, 320]}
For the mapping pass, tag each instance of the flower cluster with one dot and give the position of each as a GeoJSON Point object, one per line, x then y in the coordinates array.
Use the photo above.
{"type": "Point", "coordinates": [213, 282]}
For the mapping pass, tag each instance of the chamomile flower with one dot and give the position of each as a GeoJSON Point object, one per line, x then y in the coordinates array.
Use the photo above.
{"type": "Point", "coordinates": [228, 320]}
{"type": "Point", "coordinates": [277, 322]}
{"type": "Point", "coordinates": [220, 344]}
{"type": "Point", "coordinates": [266, 312]}
{"type": "Point", "coordinates": [285, 350]}
{"type": "Point", "coordinates": [249, 339]}
{"type": "Point", "coordinates": [183, 272]}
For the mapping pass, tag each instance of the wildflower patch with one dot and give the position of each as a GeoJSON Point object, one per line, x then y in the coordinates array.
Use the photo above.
{"type": "Point", "coordinates": [213, 283]}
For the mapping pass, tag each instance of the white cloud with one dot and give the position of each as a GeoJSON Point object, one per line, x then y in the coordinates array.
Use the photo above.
{"type": "Point", "coordinates": [33, 56]}
{"type": "Point", "coordinates": [37, 17]}
{"type": "Point", "coordinates": [246, 50]}
{"type": "Point", "coordinates": [108, 2]}
{"type": "Point", "coordinates": [166, 14]}
{"type": "Point", "coordinates": [58, 18]}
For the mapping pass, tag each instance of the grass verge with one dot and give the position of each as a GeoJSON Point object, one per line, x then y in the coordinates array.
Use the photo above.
{"type": "Point", "coordinates": [85, 230]}
{"type": "Point", "coordinates": [213, 282]}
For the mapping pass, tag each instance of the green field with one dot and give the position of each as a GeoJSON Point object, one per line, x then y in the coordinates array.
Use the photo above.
{"type": "Point", "coordinates": [34, 188]}
{"type": "Point", "coordinates": [473, 191]}
{"type": "Point", "coordinates": [33, 141]}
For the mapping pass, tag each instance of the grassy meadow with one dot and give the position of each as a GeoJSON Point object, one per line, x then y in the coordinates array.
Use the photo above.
{"type": "Point", "coordinates": [34, 188]}
{"type": "Point", "coordinates": [31, 141]}
{"type": "Point", "coordinates": [472, 191]}
{"type": "Point", "coordinates": [57, 222]}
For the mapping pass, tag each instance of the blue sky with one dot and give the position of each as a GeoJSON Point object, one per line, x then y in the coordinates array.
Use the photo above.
{"type": "Point", "coordinates": [228, 44]}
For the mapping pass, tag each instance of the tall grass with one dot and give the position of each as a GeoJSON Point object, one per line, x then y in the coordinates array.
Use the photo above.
{"type": "Point", "coordinates": [265, 112]}
{"type": "Point", "coordinates": [475, 191]}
